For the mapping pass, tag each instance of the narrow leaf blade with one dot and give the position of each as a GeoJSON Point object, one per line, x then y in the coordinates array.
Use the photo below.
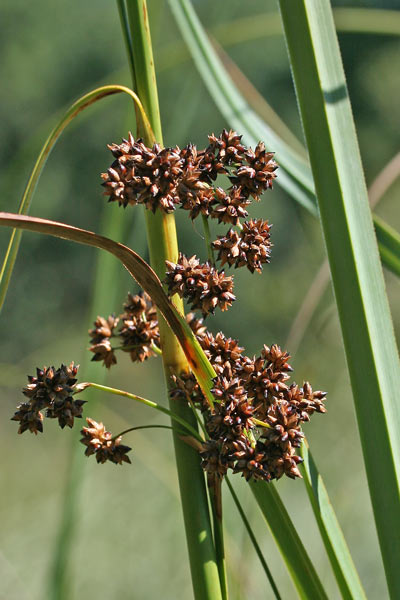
{"type": "Point", "coordinates": [76, 108]}
{"type": "Point", "coordinates": [352, 250]}
{"type": "Point", "coordinates": [293, 552]}
{"type": "Point", "coordinates": [295, 174]}
{"type": "Point", "coordinates": [331, 533]}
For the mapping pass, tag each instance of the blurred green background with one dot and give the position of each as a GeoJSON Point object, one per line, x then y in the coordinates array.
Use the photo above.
{"type": "Point", "coordinates": [129, 540]}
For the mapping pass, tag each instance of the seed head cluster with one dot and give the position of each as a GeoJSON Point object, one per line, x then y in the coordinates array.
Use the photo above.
{"type": "Point", "coordinates": [101, 443]}
{"type": "Point", "coordinates": [51, 390]}
{"type": "Point", "coordinates": [135, 331]}
{"type": "Point", "coordinates": [200, 283]}
{"type": "Point", "coordinates": [165, 178]}
{"type": "Point", "coordinates": [255, 426]}
{"type": "Point", "coordinates": [251, 247]}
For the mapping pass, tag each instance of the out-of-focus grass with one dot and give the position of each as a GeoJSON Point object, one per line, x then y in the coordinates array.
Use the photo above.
{"type": "Point", "coordinates": [129, 517]}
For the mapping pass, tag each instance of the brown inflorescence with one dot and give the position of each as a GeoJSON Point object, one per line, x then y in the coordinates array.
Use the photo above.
{"type": "Point", "coordinates": [135, 331]}
{"type": "Point", "coordinates": [142, 175]}
{"type": "Point", "coordinates": [200, 283]}
{"type": "Point", "coordinates": [258, 172]}
{"type": "Point", "coordinates": [250, 247]}
{"type": "Point", "coordinates": [255, 426]}
{"type": "Point", "coordinates": [100, 442]}
{"type": "Point", "coordinates": [51, 390]}
{"type": "Point", "coordinates": [164, 178]}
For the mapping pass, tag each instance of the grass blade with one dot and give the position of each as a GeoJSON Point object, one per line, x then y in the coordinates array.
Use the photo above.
{"type": "Point", "coordinates": [331, 533]}
{"type": "Point", "coordinates": [356, 272]}
{"type": "Point", "coordinates": [254, 541]}
{"type": "Point", "coordinates": [299, 565]}
{"type": "Point", "coordinates": [295, 174]}
{"type": "Point", "coordinates": [71, 113]}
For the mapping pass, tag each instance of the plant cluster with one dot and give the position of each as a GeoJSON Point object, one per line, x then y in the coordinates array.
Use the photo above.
{"type": "Point", "coordinates": [254, 425]}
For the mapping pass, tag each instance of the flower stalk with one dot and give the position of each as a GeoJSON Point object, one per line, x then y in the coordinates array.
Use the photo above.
{"type": "Point", "coordinates": [163, 246]}
{"type": "Point", "coordinates": [146, 402]}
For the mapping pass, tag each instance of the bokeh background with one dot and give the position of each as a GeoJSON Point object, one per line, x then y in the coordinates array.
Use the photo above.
{"type": "Point", "coordinates": [128, 536]}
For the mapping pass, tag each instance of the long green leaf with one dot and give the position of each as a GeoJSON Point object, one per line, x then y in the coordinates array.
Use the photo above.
{"type": "Point", "coordinates": [253, 539]}
{"type": "Point", "coordinates": [335, 544]}
{"type": "Point", "coordinates": [70, 114]}
{"type": "Point", "coordinates": [356, 271]}
{"type": "Point", "coordinates": [294, 554]}
{"type": "Point", "coordinates": [295, 174]}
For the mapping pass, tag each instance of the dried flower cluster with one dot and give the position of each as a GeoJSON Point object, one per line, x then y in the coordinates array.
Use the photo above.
{"type": "Point", "coordinates": [163, 178]}
{"type": "Point", "coordinates": [100, 442]}
{"type": "Point", "coordinates": [135, 331]}
{"type": "Point", "coordinates": [51, 390]}
{"type": "Point", "coordinates": [250, 247]}
{"type": "Point", "coordinates": [200, 283]}
{"type": "Point", "coordinates": [255, 427]}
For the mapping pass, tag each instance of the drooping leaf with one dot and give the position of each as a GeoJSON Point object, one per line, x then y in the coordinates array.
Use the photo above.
{"type": "Point", "coordinates": [71, 113]}
{"type": "Point", "coordinates": [141, 272]}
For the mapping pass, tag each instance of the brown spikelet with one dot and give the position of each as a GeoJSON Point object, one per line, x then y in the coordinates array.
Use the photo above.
{"type": "Point", "coordinates": [100, 442]}
{"type": "Point", "coordinates": [142, 175]}
{"type": "Point", "coordinates": [258, 174]}
{"type": "Point", "coordinates": [50, 389]}
{"type": "Point", "coordinates": [231, 206]}
{"type": "Point", "coordinates": [250, 248]}
{"type": "Point", "coordinates": [203, 286]}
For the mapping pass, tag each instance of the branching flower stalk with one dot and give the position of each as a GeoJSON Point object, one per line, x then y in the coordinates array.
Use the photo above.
{"type": "Point", "coordinates": [253, 426]}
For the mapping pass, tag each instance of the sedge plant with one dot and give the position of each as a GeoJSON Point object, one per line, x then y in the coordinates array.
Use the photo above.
{"type": "Point", "coordinates": [230, 413]}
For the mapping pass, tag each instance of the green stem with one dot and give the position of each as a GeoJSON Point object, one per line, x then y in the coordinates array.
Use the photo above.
{"type": "Point", "coordinates": [126, 33]}
{"type": "Point", "coordinates": [215, 493]}
{"type": "Point", "coordinates": [207, 239]}
{"type": "Point", "coordinates": [261, 423]}
{"type": "Point", "coordinates": [199, 421]}
{"type": "Point", "coordinates": [254, 540]}
{"type": "Point", "coordinates": [139, 427]}
{"type": "Point", "coordinates": [166, 411]}
{"type": "Point", "coordinates": [163, 246]}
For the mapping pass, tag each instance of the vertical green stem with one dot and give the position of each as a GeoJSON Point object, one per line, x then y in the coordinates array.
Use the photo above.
{"type": "Point", "coordinates": [216, 505]}
{"type": "Point", "coordinates": [207, 239]}
{"type": "Point", "coordinates": [254, 541]}
{"type": "Point", "coordinates": [163, 246]}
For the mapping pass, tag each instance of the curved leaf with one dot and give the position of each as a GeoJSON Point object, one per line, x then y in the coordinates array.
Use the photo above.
{"type": "Point", "coordinates": [71, 113]}
{"type": "Point", "coordinates": [141, 272]}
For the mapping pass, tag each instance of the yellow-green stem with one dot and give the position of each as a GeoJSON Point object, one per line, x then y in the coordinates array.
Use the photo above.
{"type": "Point", "coordinates": [163, 246]}
{"type": "Point", "coordinates": [150, 403]}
